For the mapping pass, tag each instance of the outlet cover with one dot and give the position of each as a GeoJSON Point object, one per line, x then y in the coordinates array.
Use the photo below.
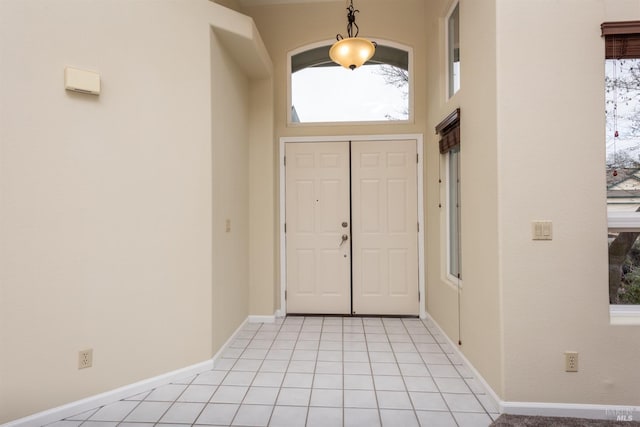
{"type": "Point", "coordinates": [571, 361]}
{"type": "Point", "coordinates": [85, 358]}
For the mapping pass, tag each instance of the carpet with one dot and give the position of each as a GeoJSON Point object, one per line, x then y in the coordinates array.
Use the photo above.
{"type": "Point", "coordinates": [506, 420]}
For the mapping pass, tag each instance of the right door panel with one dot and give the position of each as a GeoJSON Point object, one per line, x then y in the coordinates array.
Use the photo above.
{"type": "Point", "coordinates": [384, 227]}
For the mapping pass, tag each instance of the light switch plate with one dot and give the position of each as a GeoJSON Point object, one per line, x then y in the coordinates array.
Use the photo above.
{"type": "Point", "coordinates": [541, 230]}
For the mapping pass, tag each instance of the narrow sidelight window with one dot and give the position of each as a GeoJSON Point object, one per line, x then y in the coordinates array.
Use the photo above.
{"type": "Point", "coordinates": [453, 50]}
{"type": "Point", "coordinates": [449, 144]}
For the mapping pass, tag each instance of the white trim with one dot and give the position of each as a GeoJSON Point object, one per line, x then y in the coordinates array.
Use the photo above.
{"type": "Point", "coordinates": [422, 301]}
{"type": "Point", "coordinates": [112, 396]}
{"type": "Point", "coordinates": [453, 280]}
{"type": "Point", "coordinates": [228, 341]}
{"type": "Point", "coordinates": [329, 42]}
{"type": "Point", "coordinates": [337, 138]}
{"type": "Point", "coordinates": [452, 7]}
{"type": "Point", "coordinates": [549, 409]}
{"type": "Point", "coordinates": [624, 314]}
{"type": "Point", "coordinates": [495, 400]}
{"type": "Point", "coordinates": [283, 240]}
{"type": "Point", "coordinates": [623, 221]}
{"type": "Point", "coordinates": [578, 410]}
{"type": "Point", "coordinates": [262, 319]}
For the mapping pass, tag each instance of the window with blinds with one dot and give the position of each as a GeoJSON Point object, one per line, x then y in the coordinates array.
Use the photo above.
{"type": "Point", "coordinates": [622, 139]}
{"type": "Point", "coordinates": [448, 131]}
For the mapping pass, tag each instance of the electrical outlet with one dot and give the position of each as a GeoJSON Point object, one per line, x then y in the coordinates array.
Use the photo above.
{"type": "Point", "coordinates": [85, 358]}
{"type": "Point", "coordinates": [571, 361]}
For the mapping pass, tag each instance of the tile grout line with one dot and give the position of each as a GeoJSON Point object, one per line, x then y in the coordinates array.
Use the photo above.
{"type": "Point", "coordinates": [183, 391]}
{"type": "Point", "coordinates": [440, 344]}
{"type": "Point", "coordinates": [434, 381]}
{"type": "Point", "coordinates": [261, 364]}
{"type": "Point", "coordinates": [415, 413]}
{"type": "Point", "coordinates": [314, 369]}
{"type": "Point", "coordinates": [430, 373]}
{"type": "Point", "coordinates": [373, 381]}
{"type": "Point", "coordinates": [237, 359]}
{"type": "Point", "coordinates": [235, 414]}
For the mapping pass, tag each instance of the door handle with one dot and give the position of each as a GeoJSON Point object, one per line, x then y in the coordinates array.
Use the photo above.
{"type": "Point", "coordinates": [343, 239]}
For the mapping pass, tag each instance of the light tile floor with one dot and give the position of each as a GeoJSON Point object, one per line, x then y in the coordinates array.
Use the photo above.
{"type": "Point", "coordinates": [317, 371]}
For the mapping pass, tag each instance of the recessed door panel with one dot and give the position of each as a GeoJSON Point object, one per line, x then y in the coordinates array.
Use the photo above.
{"type": "Point", "coordinates": [306, 271]}
{"type": "Point", "coordinates": [397, 204]}
{"type": "Point", "coordinates": [369, 205]}
{"type": "Point", "coordinates": [305, 213]}
{"type": "Point", "coordinates": [371, 272]}
{"type": "Point", "coordinates": [399, 268]}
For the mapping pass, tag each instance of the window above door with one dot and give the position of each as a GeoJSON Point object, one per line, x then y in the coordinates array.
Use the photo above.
{"type": "Point", "coordinates": [321, 92]}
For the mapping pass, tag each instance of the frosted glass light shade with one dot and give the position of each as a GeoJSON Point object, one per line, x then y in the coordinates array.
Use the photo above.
{"type": "Point", "coordinates": [352, 52]}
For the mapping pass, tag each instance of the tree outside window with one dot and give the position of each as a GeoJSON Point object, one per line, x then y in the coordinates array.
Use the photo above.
{"type": "Point", "coordinates": [622, 109]}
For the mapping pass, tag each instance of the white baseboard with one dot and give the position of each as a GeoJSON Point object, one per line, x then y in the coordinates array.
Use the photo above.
{"type": "Point", "coordinates": [262, 319]}
{"type": "Point", "coordinates": [112, 396]}
{"type": "Point", "coordinates": [495, 400]}
{"type": "Point", "coordinates": [224, 346]}
{"type": "Point", "coordinates": [546, 409]}
{"type": "Point", "coordinates": [577, 410]}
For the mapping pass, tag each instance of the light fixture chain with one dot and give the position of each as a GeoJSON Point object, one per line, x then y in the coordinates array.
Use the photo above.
{"type": "Point", "coordinates": [351, 20]}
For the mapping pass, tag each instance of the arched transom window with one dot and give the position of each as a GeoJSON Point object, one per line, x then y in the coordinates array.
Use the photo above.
{"type": "Point", "coordinates": [324, 92]}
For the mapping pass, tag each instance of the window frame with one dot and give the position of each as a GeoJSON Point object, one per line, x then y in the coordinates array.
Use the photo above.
{"type": "Point", "coordinates": [622, 314]}
{"type": "Point", "coordinates": [453, 206]}
{"type": "Point", "coordinates": [449, 81]}
{"type": "Point", "coordinates": [449, 140]}
{"type": "Point", "coordinates": [383, 42]}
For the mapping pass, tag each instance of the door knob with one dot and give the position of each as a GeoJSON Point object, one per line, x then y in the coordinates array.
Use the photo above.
{"type": "Point", "coordinates": [343, 239]}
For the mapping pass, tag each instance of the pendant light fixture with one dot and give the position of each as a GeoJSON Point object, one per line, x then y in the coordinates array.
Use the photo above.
{"type": "Point", "coordinates": [353, 51]}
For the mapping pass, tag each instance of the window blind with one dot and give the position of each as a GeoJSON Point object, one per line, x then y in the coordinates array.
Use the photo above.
{"type": "Point", "coordinates": [622, 39]}
{"type": "Point", "coordinates": [449, 131]}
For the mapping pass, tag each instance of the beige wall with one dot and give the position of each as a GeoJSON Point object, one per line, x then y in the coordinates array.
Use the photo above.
{"type": "Point", "coordinates": [262, 204]}
{"type": "Point", "coordinates": [113, 208]}
{"type": "Point", "coordinates": [230, 192]}
{"type": "Point", "coordinates": [478, 318]}
{"type": "Point", "coordinates": [551, 153]}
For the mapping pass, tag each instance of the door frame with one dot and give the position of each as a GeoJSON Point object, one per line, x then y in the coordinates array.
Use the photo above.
{"type": "Point", "coordinates": [338, 138]}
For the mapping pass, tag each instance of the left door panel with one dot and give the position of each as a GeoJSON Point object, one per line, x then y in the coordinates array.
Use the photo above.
{"type": "Point", "coordinates": [318, 237]}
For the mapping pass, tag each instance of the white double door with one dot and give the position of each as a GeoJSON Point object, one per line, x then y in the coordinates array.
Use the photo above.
{"type": "Point", "coordinates": [352, 228]}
